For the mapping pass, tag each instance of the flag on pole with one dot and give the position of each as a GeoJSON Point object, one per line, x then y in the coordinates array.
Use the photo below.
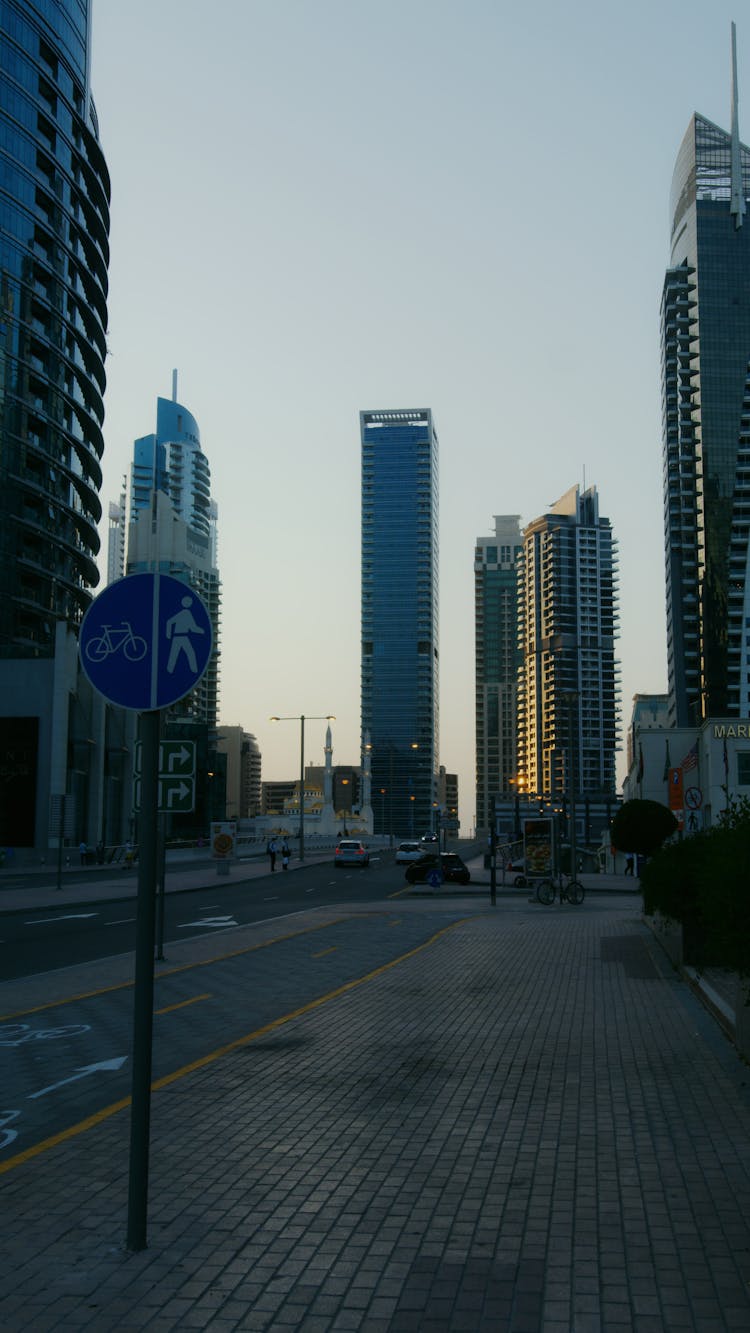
{"type": "Point", "coordinates": [691, 758]}
{"type": "Point", "coordinates": [667, 765]}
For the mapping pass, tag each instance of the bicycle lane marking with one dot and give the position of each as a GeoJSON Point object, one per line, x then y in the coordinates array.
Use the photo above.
{"type": "Point", "coordinates": [72, 1131]}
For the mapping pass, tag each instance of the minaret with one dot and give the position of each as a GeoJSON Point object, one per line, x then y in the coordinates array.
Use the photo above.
{"type": "Point", "coordinates": [737, 205]}
{"type": "Point", "coordinates": [328, 818]}
{"type": "Point", "coordinates": [328, 775]}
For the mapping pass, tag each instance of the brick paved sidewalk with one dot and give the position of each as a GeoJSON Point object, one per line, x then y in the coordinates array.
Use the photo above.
{"type": "Point", "coordinates": [529, 1126]}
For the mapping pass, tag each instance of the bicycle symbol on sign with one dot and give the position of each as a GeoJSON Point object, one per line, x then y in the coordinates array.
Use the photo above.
{"type": "Point", "coordinates": [112, 640]}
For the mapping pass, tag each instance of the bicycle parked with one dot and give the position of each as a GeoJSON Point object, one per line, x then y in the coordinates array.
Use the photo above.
{"type": "Point", "coordinates": [570, 890]}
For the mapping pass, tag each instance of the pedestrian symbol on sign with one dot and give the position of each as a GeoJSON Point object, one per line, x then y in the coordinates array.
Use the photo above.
{"type": "Point", "coordinates": [178, 629]}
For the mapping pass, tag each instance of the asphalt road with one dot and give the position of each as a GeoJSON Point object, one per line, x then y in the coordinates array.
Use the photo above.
{"type": "Point", "coordinates": [70, 1059]}
{"type": "Point", "coordinates": [46, 939]}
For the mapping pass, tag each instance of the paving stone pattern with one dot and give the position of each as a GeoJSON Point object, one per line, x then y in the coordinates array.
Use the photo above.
{"type": "Point", "coordinates": [531, 1125]}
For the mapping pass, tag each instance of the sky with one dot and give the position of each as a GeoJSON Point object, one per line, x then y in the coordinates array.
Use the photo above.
{"type": "Point", "coordinates": [325, 206]}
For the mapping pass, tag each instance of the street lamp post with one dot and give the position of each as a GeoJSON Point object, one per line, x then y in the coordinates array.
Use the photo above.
{"type": "Point", "coordinates": [300, 717]}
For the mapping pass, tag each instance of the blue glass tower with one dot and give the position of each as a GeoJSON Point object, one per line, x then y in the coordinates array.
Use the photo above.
{"type": "Point", "coordinates": [400, 650]}
{"type": "Point", "coordinates": [54, 253]}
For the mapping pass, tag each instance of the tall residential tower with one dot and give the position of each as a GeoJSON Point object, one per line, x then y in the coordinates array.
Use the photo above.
{"type": "Point", "coordinates": [173, 523]}
{"type": "Point", "coordinates": [496, 663]}
{"type": "Point", "coordinates": [400, 651]}
{"type": "Point", "coordinates": [568, 691]}
{"type": "Point", "coordinates": [705, 318]}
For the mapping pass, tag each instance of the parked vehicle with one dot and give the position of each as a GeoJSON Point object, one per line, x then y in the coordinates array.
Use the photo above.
{"type": "Point", "coordinates": [449, 864]}
{"type": "Point", "coordinates": [350, 852]}
{"type": "Point", "coordinates": [517, 872]}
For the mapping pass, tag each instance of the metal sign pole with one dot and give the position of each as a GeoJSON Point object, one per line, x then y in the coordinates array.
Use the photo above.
{"type": "Point", "coordinates": [161, 886]}
{"type": "Point", "coordinates": [61, 833]}
{"type": "Point", "coordinates": [143, 1000]}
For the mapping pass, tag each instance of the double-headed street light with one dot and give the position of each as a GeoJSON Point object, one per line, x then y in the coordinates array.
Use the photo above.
{"type": "Point", "coordinates": [300, 717]}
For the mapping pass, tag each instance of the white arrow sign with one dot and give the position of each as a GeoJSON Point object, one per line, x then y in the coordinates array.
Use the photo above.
{"type": "Point", "coordinates": [177, 794]}
{"type": "Point", "coordinates": [116, 1063]}
{"type": "Point", "coordinates": [178, 757]}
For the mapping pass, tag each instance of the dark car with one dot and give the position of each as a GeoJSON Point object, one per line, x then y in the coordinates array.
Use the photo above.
{"type": "Point", "coordinates": [447, 864]}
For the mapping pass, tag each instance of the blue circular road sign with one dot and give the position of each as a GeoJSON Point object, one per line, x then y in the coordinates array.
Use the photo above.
{"type": "Point", "coordinates": [145, 641]}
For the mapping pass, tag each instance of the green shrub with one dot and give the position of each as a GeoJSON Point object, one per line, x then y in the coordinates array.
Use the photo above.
{"type": "Point", "coordinates": [703, 882]}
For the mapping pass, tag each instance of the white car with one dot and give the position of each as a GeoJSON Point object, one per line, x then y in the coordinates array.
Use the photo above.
{"type": "Point", "coordinates": [351, 852]}
{"type": "Point", "coordinates": [408, 851]}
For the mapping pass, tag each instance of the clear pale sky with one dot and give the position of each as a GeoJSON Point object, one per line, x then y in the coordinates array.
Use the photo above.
{"type": "Point", "coordinates": [320, 206]}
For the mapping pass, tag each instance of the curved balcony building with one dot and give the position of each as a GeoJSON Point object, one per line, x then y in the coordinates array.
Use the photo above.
{"type": "Point", "coordinates": [54, 229]}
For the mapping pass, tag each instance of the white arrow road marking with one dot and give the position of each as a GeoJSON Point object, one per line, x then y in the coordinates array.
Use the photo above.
{"type": "Point", "coordinates": [81, 1072]}
{"type": "Point", "coordinates": [72, 916]}
{"type": "Point", "coordinates": [210, 921]}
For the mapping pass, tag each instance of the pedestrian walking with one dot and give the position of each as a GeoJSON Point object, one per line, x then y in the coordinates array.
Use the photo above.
{"type": "Point", "coordinates": [285, 855]}
{"type": "Point", "coordinates": [84, 851]}
{"type": "Point", "coordinates": [272, 849]}
{"type": "Point", "coordinates": [629, 863]}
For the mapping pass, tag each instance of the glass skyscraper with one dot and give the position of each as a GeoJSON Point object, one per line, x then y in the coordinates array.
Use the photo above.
{"type": "Point", "coordinates": [54, 228]}
{"type": "Point", "coordinates": [705, 318]}
{"type": "Point", "coordinates": [400, 650]}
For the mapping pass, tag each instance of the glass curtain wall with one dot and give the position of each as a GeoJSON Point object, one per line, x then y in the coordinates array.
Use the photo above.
{"type": "Point", "coordinates": [400, 652]}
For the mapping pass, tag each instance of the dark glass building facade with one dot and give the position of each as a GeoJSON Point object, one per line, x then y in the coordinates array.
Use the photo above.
{"type": "Point", "coordinates": [400, 650]}
{"type": "Point", "coordinates": [705, 318]}
{"type": "Point", "coordinates": [54, 226]}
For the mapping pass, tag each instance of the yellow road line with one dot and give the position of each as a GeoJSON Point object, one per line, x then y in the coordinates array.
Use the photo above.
{"type": "Point", "coordinates": [333, 949]}
{"type": "Point", "coordinates": [171, 971]}
{"type": "Point", "coordinates": [37, 1148]}
{"type": "Point", "coordinates": [170, 1008]}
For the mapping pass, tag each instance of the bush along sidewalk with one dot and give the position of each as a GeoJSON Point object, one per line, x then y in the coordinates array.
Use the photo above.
{"type": "Point", "coordinates": [697, 894]}
{"type": "Point", "coordinates": [703, 882]}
